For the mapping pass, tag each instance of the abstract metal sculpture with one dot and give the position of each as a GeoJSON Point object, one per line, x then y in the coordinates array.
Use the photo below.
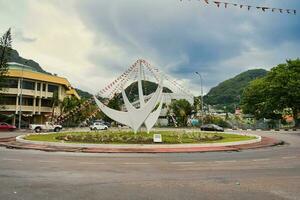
{"type": "Point", "coordinates": [135, 117]}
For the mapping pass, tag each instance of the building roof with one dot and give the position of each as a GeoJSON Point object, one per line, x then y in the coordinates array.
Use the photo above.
{"type": "Point", "coordinates": [27, 72]}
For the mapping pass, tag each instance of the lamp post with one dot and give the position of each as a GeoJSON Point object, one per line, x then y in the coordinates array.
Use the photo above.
{"type": "Point", "coordinates": [202, 104]}
{"type": "Point", "coordinates": [21, 99]}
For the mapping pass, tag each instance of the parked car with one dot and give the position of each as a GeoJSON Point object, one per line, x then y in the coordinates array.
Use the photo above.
{"type": "Point", "coordinates": [103, 122]}
{"type": "Point", "coordinates": [45, 127]}
{"type": "Point", "coordinates": [6, 127]}
{"type": "Point", "coordinates": [98, 126]}
{"type": "Point", "coordinates": [211, 127]}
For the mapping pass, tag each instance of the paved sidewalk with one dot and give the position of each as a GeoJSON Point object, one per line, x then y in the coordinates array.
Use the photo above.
{"type": "Point", "coordinates": [11, 143]}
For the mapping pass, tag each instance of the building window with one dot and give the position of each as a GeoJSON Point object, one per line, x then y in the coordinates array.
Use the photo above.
{"type": "Point", "coordinates": [29, 85]}
{"type": "Point", "coordinates": [38, 87]}
{"type": "Point", "coordinates": [44, 87]}
{"type": "Point", "coordinates": [26, 101]}
{"type": "Point", "coordinates": [11, 83]}
{"type": "Point", "coordinates": [46, 103]}
{"type": "Point", "coordinates": [52, 88]}
{"type": "Point", "coordinates": [6, 100]}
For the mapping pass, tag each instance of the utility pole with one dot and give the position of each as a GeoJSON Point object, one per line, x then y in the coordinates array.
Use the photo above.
{"type": "Point", "coordinates": [202, 104]}
{"type": "Point", "coordinates": [21, 99]}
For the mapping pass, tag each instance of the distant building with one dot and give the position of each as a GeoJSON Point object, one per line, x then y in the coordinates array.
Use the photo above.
{"type": "Point", "coordinates": [37, 91]}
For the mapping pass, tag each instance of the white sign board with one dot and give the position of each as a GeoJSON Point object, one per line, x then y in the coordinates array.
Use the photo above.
{"type": "Point", "coordinates": [157, 138]}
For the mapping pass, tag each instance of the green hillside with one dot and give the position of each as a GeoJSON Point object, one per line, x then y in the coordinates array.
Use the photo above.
{"type": "Point", "coordinates": [228, 92]}
{"type": "Point", "coordinates": [148, 88]}
{"type": "Point", "coordinates": [15, 57]}
{"type": "Point", "coordinates": [83, 94]}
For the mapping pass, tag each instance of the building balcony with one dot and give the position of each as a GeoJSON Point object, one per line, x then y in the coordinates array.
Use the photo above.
{"type": "Point", "coordinates": [26, 92]}
{"type": "Point", "coordinates": [32, 109]}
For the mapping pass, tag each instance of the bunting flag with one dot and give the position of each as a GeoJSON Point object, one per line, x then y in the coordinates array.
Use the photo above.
{"type": "Point", "coordinates": [262, 8]}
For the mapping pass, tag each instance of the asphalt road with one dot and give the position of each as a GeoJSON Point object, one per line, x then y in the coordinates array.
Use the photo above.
{"type": "Point", "coordinates": [270, 173]}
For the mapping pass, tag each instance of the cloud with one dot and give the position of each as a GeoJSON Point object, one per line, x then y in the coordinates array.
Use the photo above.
{"type": "Point", "coordinates": [92, 42]}
{"type": "Point", "coordinates": [19, 35]}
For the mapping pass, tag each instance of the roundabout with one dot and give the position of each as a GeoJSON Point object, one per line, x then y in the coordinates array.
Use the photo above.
{"type": "Point", "coordinates": [173, 141]}
{"type": "Point", "coordinates": [262, 173]}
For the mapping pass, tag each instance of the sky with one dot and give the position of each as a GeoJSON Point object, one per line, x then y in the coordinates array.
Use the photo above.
{"type": "Point", "coordinates": [91, 42]}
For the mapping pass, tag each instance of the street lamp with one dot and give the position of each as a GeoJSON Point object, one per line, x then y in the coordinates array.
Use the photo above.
{"type": "Point", "coordinates": [202, 104]}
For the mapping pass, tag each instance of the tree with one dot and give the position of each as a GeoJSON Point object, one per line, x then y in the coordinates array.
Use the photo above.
{"type": "Point", "coordinates": [182, 110]}
{"type": "Point", "coordinates": [268, 97]}
{"type": "Point", "coordinates": [5, 48]}
{"type": "Point", "coordinates": [55, 102]}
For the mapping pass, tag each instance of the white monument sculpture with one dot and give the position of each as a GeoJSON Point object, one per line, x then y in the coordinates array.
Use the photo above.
{"type": "Point", "coordinates": [135, 117]}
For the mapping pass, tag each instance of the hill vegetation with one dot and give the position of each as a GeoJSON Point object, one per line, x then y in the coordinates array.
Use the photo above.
{"type": "Point", "coordinates": [148, 88]}
{"type": "Point", "coordinates": [228, 93]}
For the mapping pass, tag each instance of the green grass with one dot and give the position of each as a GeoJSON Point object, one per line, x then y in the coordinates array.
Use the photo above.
{"type": "Point", "coordinates": [123, 137]}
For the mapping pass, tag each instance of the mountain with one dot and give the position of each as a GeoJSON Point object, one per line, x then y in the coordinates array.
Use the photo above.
{"type": "Point", "coordinates": [228, 92]}
{"type": "Point", "coordinates": [15, 57]}
{"type": "Point", "coordinates": [83, 94]}
{"type": "Point", "coordinates": [148, 88]}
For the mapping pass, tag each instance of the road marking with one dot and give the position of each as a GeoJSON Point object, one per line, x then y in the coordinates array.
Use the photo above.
{"type": "Point", "coordinates": [225, 161]}
{"type": "Point", "coordinates": [11, 159]}
{"type": "Point", "coordinates": [47, 161]}
{"type": "Point", "coordinates": [91, 163]}
{"type": "Point", "coordinates": [181, 163]}
{"type": "Point", "coordinates": [136, 163]}
{"type": "Point", "coordinates": [289, 157]}
{"type": "Point", "coordinates": [262, 159]}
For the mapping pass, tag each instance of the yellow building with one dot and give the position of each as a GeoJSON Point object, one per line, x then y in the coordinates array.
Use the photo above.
{"type": "Point", "coordinates": [36, 94]}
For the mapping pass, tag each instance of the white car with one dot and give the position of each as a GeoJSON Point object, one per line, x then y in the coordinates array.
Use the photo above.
{"type": "Point", "coordinates": [98, 126]}
{"type": "Point", "coordinates": [45, 127]}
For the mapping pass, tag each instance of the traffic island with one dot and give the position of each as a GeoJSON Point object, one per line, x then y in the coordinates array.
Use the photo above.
{"type": "Point", "coordinates": [213, 143]}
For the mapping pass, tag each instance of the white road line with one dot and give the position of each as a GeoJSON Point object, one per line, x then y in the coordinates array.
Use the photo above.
{"type": "Point", "coordinates": [289, 157]}
{"type": "Point", "coordinates": [47, 161]}
{"type": "Point", "coordinates": [262, 159]}
{"type": "Point", "coordinates": [11, 159]}
{"type": "Point", "coordinates": [91, 163]}
{"type": "Point", "coordinates": [225, 161]}
{"type": "Point", "coordinates": [136, 163]}
{"type": "Point", "coordinates": [181, 163]}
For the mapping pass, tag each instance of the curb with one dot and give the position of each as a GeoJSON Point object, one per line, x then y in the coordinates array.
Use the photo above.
{"type": "Point", "coordinates": [265, 142]}
{"type": "Point", "coordinates": [258, 138]}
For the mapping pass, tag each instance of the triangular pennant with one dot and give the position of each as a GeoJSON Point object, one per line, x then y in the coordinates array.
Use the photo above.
{"type": "Point", "coordinates": [217, 3]}
{"type": "Point", "coordinates": [264, 8]}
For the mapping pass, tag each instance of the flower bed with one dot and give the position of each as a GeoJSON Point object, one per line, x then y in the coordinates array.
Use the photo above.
{"type": "Point", "coordinates": [122, 137]}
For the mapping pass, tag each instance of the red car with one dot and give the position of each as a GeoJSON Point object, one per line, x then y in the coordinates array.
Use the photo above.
{"type": "Point", "coordinates": [6, 127]}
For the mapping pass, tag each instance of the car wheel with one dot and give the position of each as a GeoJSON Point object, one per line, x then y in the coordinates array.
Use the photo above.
{"type": "Point", "coordinates": [57, 129]}
{"type": "Point", "coordinates": [38, 129]}
{"type": "Point", "coordinates": [95, 129]}
{"type": "Point", "coordinates": [105, 128]}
